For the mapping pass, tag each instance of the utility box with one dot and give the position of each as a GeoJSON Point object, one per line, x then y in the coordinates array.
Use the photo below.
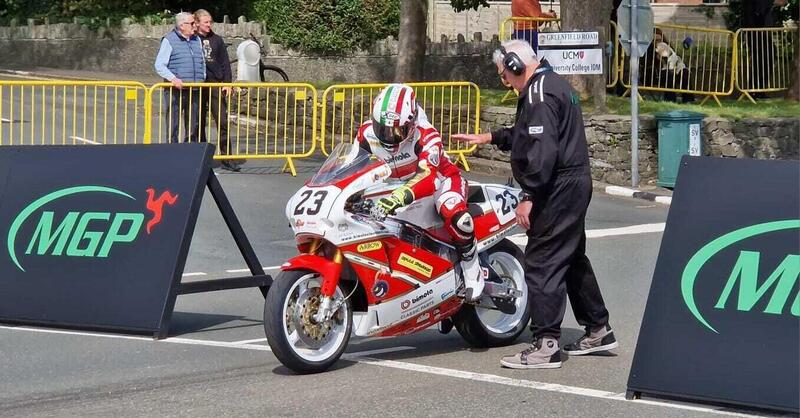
{"type": "Point", "coordinates": [678, 135]}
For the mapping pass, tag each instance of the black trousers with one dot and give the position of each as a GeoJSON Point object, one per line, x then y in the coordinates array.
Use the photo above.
{"type": "Point", "coordinates": [217, 103]}
{"type": "Point", "coordinates": [555, 259]}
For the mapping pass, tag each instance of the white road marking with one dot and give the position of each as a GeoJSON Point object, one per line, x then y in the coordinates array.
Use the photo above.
{"type": "Point", "coordinates": [530, 384]}
{"type": "Point", "coordinates": [248, 270]}
{"type": "Point", "coordinates": [522, 239]}
{"type": "Point", "coordinates": [361, 357]}
{"type": "Point", "coordinates": [199, 273]}
{"type": "Point", "coordinates": [84, 140]}
{"type": "Point", "coordinates": [257, 340]}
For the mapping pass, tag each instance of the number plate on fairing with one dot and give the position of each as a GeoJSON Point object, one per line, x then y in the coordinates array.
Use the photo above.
{"type": "Point", "coordinates": [504, 201]}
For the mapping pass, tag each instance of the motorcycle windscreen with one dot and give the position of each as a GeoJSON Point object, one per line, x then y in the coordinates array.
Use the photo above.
{"type": "Point", "coordinates": [345, 159]}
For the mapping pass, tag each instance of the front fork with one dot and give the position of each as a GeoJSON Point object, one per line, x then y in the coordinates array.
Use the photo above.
{"type": "Point", "coordinates": [330, 280]}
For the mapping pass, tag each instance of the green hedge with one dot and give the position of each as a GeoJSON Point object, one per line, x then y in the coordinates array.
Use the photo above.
{"type": "Point", "coordinates": [328, 26]}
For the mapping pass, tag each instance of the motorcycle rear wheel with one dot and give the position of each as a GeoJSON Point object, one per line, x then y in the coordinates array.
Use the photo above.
{"type": "Point", "coordinates": [297, 342]}
{"type": "Point", "coordinates": [481, 327]}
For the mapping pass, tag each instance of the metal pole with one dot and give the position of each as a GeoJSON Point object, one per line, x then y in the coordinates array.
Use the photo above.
{"type": "Point", "coordinates": [634, 93]}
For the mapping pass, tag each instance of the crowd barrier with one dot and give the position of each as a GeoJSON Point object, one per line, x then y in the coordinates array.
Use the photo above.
{"type": "Point", "coordinates": [72, 112]}
{"type": "Point", "coordinates": [257, 121]}
{"type": "Point", "coordinates": [766, 58]}
{"type": "Point", "coordinates": [452, 107]}
{"type": "Point", "coordinates": [688, 61]}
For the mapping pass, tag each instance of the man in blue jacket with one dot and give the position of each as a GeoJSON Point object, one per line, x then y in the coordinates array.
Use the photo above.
{"type": "Point", "coordinates": [180, 60]}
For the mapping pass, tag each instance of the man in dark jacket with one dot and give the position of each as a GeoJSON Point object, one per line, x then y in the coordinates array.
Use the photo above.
{"type": "Point", "coordinates": [550, 160]}
{"type": "Point", "coordinates": [218, 70]}
{"type": "Point", "coordinates": [180, 60]}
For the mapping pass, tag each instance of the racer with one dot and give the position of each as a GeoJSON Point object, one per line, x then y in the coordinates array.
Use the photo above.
{"type": "Point", "coordinates": [400, 134]}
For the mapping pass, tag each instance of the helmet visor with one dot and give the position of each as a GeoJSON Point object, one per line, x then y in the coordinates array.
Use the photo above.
{"type": "Point", "coordinates": [391, 135]}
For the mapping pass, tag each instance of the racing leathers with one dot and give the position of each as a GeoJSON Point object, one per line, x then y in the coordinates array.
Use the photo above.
{"type": "Point", "coordinates": [423, 163]}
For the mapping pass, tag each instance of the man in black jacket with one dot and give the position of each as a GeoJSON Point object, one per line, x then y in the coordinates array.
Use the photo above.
{"type": "Point", "coordinates": [550, 161]}
{"type": "Point", "coordinates": [218, 70]}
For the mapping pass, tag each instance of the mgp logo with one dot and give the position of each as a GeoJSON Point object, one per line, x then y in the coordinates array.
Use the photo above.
{"type": "Point", "coordinates": [54, 225]}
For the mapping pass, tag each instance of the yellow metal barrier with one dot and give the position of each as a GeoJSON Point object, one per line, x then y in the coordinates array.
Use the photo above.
{"type": "Point", "coordinates": [257, 120]}
{"type": "Point", "coordinates": [522, 27]}
{"type": "Point", "coordinates": [451, 107]}
{"type": "Point", "coordinates": [64, 112]}
{"type": "Point", "coordinates": [687, 60]}
{"type": "Point", "coordinates": [765, 60]}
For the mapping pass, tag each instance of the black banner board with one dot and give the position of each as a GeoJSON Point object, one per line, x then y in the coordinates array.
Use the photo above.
{"type": "Point", "coordinates": [722, 322]}
{"type": "Point", "coordinates": [97, 237]}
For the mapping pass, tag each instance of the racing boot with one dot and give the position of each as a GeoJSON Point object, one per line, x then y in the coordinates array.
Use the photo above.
{"type": "Point", "coordinates": [473, 275]}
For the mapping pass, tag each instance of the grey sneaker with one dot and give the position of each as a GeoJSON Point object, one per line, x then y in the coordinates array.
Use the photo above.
{"type": "Point", "coordinates": [542, 354]}
{"type": "Point", "coordinates": [592, 342]}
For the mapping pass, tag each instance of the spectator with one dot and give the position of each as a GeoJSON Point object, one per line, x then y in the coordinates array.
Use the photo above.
{"type": "Point", "coordinates": [180, 60]}
{"type": "Point", "coordinates": [524, 28]}
{"type": "Point", "coordinates": [662, 67]}
{"type": "Point", "coordinates": [550, 160]}
{"type": "Point", "coordinates": [215, 99]}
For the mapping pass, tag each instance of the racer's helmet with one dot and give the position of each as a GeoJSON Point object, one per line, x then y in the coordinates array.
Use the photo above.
{"type": "Point", "coordinates": [394, 116]}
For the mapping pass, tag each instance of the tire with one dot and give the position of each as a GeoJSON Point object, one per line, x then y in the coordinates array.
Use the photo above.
{"type": "Point", "coordinates": [267, 68]}
{"type": "Point", "coordinates": [478, 326]}
{"type": "Point", "coordinates": [288, 343]}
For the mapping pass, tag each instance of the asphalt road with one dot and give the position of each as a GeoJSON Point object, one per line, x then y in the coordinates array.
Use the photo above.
{"type": "Point", "coordinates": [217, 363]}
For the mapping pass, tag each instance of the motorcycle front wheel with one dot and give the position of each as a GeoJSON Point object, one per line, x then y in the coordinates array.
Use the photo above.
{"type": "Point", "coordinates": [482, 327]}
{"type": "Point", "coordinates": [296, 339]}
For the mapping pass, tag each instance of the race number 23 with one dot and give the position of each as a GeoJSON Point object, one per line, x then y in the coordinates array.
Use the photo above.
{"type": "Point", "coordinates": [508, 201]}
{"type": "Point", "coordinates": [313, 206]}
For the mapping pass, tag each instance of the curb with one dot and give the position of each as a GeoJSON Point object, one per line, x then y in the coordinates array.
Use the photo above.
{"type": "Point", "coordinates": [636, 194]}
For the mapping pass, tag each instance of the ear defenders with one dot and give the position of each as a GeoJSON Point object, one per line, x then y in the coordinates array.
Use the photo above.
{"type": "Point", "coordinates": [512, 62]}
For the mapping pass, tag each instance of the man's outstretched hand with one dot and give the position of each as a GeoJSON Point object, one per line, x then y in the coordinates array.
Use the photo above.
{"type": "Point", "coordinates": [473, 139]}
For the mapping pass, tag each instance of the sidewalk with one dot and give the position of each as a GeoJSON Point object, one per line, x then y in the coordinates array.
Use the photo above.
{"type": "Point", "coordinates": [62, 74]}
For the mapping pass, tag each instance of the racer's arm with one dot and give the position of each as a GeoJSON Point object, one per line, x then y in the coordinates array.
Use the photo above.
{"type": "Point", "coordinates": [429, 152]}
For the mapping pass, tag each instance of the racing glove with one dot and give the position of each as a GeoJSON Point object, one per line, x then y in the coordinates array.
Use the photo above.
{"type": "Point", "coordinates": [400, 197]}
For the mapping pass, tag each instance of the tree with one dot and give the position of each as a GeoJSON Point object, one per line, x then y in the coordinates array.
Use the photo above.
{"type": "Point", "coordinates": [794, 87]}
{"type": "Point", "coordinates": [588, 15]}
{"type": "Point", "coordinates": [412, 37]}
{"type": "Point", "coordinates": [411, 49]}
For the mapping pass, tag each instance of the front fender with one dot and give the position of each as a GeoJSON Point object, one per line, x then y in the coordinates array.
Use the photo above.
{"type": "Point", "coordinates": [328, 269]}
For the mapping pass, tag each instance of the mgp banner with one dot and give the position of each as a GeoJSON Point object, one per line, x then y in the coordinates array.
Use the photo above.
{"type": "Point", "coordinates": [723, 317]}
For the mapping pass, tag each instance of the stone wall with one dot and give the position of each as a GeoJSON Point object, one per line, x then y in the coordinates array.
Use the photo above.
{"type": "Point", "coordinates": [608, 137]}
{"type": "Point", "coordinates": [443, 20]}
{"type": "Point", "coordinates": [131, 49]}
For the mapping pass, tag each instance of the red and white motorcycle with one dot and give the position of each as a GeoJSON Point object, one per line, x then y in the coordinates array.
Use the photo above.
{"type": "Point", "coordinates": [361, 275]}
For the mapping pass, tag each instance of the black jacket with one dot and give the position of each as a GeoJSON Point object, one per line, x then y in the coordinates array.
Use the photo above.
{"type": "Point", "coordinates": [547, 139]}
{"type": "Point", "coordinates": [218, 65]}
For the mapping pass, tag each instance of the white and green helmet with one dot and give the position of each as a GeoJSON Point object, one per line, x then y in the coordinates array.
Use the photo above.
{"type": "Point", "coordinates": [394, 115]}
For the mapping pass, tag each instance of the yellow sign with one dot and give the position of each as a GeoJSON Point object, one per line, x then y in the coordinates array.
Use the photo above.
{"type": "Point", "coordinates": [369, 246]}
{"type": "Point", "coordinates": [131, 94]}
{"type": "Point", "coordinates": [412, 263]}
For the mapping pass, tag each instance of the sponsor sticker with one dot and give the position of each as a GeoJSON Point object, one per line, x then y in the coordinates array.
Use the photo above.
{"type": "Point", "coordinates": [369, 246]}
{"type": "Point", "coordinates": [412, 263]}
{"type": "Point", "coordinates": [535, 130]}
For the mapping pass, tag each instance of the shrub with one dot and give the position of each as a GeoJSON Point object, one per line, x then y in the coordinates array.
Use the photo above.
{"type": "Point", "coordinates": [328, 26]}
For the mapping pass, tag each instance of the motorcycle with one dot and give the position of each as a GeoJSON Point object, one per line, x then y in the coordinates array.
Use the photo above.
{"type": "Point", "coordinates": [360, 274]}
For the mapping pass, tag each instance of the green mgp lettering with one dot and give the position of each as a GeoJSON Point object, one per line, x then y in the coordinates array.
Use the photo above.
{"type": "Point", "coordinates": [115, 235]}
{"type": "Point", "coordinates": [45, 236]}
{"type": "Point", "coordinates": [81, 234]}
{"type": "Point", "coordinates": [745, 273]}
